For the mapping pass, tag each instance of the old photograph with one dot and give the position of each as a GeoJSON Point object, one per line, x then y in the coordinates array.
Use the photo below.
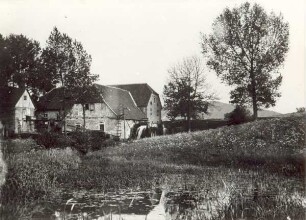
{"type": "Point", "coordinates": [152, 110]}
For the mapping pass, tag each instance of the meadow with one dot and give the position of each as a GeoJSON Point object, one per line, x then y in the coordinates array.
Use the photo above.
{"type": "Point", "coordinates": [249, 171]}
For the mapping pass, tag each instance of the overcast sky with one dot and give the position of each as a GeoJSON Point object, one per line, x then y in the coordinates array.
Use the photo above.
{"type": "Point", "coordinates": [136, 41]}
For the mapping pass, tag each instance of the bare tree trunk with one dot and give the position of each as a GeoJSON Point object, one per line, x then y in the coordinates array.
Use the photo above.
{"type": "Point", "coordinates": [84, 120]}
{"type": "Point", "coordinates": [64, 104]}
{"type": "Point", "coordinates": [254, 95]}
{"type": "Point", "coordinates": [188, 112]}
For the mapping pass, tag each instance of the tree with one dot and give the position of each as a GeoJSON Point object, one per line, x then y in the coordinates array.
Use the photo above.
{"type": "Point", "coordinates": [246, 49]}
{"type": "Point", "coordinates": [239, 115]}
{"type": "Point", "coordinates": [82, 80]}
{"type": "Point", "coordinates": [19, 59]}
{"type": "Point", "coordinates": [187, 92]}
{"type": "Point", "coordinates": [69, 66]}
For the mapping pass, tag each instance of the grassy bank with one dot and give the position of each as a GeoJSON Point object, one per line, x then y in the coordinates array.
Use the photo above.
{"type": "Point", "coordinates": [258, 167]}
{"type": "Point", "coordinates": [276, 145]}
{"type": "Point", "coordinates": [32, 176]}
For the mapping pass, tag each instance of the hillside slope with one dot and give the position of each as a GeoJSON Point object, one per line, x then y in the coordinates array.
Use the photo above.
{"type": "Point", "coordinates": [275, 144]}
{"type": "Point", "coordinates": [218, 110]}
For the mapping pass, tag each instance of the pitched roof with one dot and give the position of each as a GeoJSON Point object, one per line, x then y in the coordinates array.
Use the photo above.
{"type": "Point", "coordinates": [140, 92]}
{"type": "Point", "coordinates": [9, 96]}
{"type": "Point", "coordinates": [118, 99]}
{"type": "Point", "coordinates": [115, 98]}
{"type": "Point", "coordinates": [54, 99]}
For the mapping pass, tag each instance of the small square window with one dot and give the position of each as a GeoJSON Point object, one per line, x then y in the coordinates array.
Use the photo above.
{"type": "Point", "coordinates": [25, 97]}
{"type": "Point", "coordinates": [45, 115]}
{"type": "Point", "coordinates": [101, 126]}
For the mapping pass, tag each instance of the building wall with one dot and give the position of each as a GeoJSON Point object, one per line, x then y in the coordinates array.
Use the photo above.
{"type": "Point", "coordinates": [23, 108]}
{"type": "Point", "coordinates": [97, 116]}
{"type": "Point", "coordinates": [154, 110]}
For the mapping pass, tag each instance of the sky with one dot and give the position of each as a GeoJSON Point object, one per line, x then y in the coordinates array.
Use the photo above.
{"type": "Point", "coordinates": [137, 41]}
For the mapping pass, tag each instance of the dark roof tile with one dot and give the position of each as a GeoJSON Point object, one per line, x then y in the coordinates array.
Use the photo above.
{"type": "Point", "coordinates": [115, 98]}
{"type": "Point", "coordinates": [9, 96]}
{"type": "Point", "coordinates": [119, 99]}
{"type": "Point", "coordinates": [141, 92]}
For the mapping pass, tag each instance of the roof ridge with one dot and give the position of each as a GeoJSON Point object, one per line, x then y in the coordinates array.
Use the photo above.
{"type": "Point", "coordinates": [116, 88]}
{"type": "Point", "coordinates": [130, 84]}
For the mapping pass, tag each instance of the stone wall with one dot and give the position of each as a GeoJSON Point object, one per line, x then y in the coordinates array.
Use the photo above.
{"type": "Point", "coordinates": [97, 117]}
{"type": "Point", "coordinates": [154, 110]}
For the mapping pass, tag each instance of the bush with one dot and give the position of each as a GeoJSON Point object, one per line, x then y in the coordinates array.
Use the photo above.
{"type": "Point", "coordinates": [88, 140]}
{"type": "Point", "coordinates": [238, 116]}
{"type": "Point", "coordinates": [81, 141]}
{"type": "Point", "coordinates": [300, 110]}
{"type": "Point", "coordinates": [53, 140]}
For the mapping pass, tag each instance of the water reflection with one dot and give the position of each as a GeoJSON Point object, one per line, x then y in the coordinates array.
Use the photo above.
{"type": "Point", "coordinates": [174, 198]}
{"type": "Point", "coordinates": [157, 204]}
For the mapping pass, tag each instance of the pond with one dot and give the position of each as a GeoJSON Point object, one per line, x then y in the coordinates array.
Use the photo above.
{"type": "Point", "coordinates": [175, 197]}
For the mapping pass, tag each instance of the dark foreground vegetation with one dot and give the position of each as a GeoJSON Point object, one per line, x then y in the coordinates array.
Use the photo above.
{"type": "Point", "coordinates": [252, 171]}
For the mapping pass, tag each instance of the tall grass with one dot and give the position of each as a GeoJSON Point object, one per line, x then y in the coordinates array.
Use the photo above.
{"type": "Point", "coordinates": [234, 160]}
{"type": "Point", "coordinates": [32, 179]}
{"type": "Point", "coordinates": [275, 144]}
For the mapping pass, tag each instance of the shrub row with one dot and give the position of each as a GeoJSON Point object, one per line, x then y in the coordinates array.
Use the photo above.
{"type": "Point", "coordinates": [81, 141]}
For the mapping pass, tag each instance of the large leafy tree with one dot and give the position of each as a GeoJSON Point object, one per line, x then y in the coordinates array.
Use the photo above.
{"type": "Point", "coordinates": [69, 66]}
{"type": "Point", "coordinates": [19, 62]}
{"type": "Point", "coordinates": [246, 49]}
{"type": "Point", "coordinates": [187, 94]}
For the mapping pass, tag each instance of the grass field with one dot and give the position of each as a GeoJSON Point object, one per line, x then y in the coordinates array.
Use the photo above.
{"type": "Point", "coordinates": [250, 171]}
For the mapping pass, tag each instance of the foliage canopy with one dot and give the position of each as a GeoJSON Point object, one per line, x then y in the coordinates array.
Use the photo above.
{"type": "Point", "coordinates": [187, 92]}
{"type": "Point", "coordinates": [246, 49]}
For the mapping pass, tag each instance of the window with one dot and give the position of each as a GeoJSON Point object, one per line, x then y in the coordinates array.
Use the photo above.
{"type": "Point", "coordinates": [25, 97]}
{"type": "Point", "coordinates": [157, 113]}
{"type": "Point", "coordinates": [23, 114]}
{"type": "Point", "coordinates": [77, 126]}
{"type": "Point", "coordinates": [154, 99]}
{"type": "Point", "coordinates": [92, 107]}
{"type": "Point", "coordinates": [45, 115]}
{"type": "Point", "coordinates": [86, 106]}
{"type": "Point", "coordinates": [101, 126]}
